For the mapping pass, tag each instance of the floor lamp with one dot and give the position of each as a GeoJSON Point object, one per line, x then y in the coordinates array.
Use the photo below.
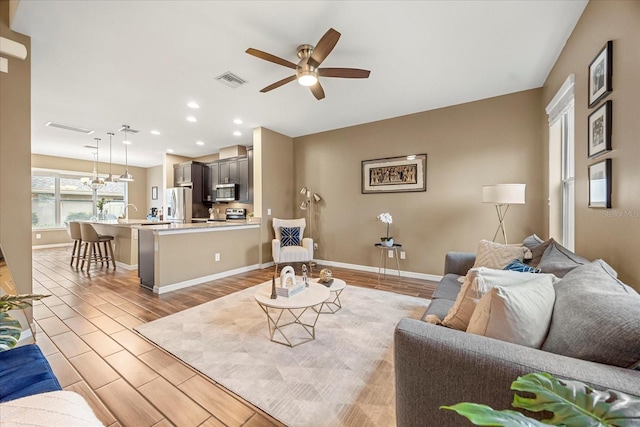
{"type": "Point", "coordinates": [307, 206]}
{"type": "Point", "coordinates": [503, 195]}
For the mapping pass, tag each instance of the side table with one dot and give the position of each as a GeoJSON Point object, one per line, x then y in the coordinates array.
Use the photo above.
{"type": "Point", "coordinates": [383, 258]}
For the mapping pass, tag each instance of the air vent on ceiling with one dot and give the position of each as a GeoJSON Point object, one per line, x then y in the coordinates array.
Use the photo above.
{"type": "Point", "coordinates": [230, 79]}
{"type": "Point", "coordinates": [69, 127]}
{"type": "Point", "coordinates": [129, 130]}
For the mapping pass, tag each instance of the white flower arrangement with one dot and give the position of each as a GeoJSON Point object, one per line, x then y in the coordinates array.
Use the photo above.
{"type": "Point", "coordinates": [386, 218]}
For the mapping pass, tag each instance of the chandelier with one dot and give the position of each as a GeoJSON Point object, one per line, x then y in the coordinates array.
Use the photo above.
{"type": "Point", "coordinates": [95, 182]}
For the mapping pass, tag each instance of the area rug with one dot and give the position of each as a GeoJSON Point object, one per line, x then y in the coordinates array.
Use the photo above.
{"type": "Point", "coordinates": [342, 378]}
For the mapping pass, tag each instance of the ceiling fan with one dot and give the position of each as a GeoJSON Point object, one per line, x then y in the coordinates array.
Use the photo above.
{"type": "Point", "coordinates": [307, 71]}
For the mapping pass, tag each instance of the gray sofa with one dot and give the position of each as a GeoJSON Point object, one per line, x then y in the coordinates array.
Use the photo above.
{"type": "Point", "coordinates": [436, 366]}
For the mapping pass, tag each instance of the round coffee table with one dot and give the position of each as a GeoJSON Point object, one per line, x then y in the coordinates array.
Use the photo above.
{"type": "Point", "coordinates": [336, 288]}
{"type": "Point", "coordinates": [293, 308]}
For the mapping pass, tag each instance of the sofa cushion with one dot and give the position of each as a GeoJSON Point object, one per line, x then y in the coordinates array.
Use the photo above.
{"type": "Point", "coordinates": [25, 371]}
{"type": "Point", "coordinates": [559, 260]}
{"type": "Point", "coordinates": [439, 307]}
{"type": "Point", "coordinates": [519, 313]}
{"type": "Point", "coordinates": [596, 317]}
{"type": "Point", "coordinates": [532, 241]}
{"type": "Point", "coordinates": [477, 282]}
{"type": "Point", "coordinates": [498, 256]}
{"type": "Point", "coordinates": [448, 288]}
{"type": "Point", "coordinates": [537, 252]}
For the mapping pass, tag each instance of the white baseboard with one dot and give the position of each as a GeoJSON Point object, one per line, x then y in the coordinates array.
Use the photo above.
{"type": "Point", "coordinates": [54, 245]}
{"type": "Point", "coordinates": [370, 269]}
{"type": "Point", "coordinates": [127, 266]}
{"type": "Point", "coordinates": [203, 279]}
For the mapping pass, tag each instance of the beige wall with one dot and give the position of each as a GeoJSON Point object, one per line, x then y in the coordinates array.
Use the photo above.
{"type": "Point", "coordinates": [139, 192]}
{"type": "Point", "coordinates": [273, 184]}
{"type": "Point", "coordinates": [612, 234]}
{"type": "Point", "coordinates": [155, 179]}
{"type": "Point", "coordinates": [15, 151]}
{"type": "Point", "coordinates": [491, 141]}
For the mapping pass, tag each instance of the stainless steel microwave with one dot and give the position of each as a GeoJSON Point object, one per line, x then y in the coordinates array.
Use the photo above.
{"type": "Point", "coordinates": [226, 192]}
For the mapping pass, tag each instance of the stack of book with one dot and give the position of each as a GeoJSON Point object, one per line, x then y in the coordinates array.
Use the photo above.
{"type": "Point", "coordinates": [291, 290]}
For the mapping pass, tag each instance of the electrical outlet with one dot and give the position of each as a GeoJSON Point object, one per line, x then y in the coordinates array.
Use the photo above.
{"type": "Point", "coordinates": [315, 246]}
{"type": "Point", "coordinates": [390, 254]}
{"type": "Point", "coordinates": [403, 255]}
{"type": "Point", "coordinates": [38, 236]}
{"type": "Point", "coordinates": [217, 256]}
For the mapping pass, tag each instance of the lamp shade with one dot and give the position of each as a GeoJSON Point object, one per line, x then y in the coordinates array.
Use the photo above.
{"type": "Point", "coordinates": [503, 194]}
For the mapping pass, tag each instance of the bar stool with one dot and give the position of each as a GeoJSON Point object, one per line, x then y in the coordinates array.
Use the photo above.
{"type": "Point", "coordinates": [92, 241]}
{"type": "Point", "coordinates": [73, 228]}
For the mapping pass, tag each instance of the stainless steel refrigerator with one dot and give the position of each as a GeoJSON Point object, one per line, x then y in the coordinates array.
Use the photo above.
{"type": "Point", "coordinates": [179, 200]}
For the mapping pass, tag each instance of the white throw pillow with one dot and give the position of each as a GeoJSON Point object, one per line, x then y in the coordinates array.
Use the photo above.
{"type": "Point", "coordinates": [517, 313]}
{"type": "Point", "coordinates": [477, 282]}
{"type": "Point", "coordinates": [498, 256]}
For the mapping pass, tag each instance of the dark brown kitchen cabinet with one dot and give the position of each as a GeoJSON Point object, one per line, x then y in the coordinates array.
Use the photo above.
{"type": "Point", "coordinates": [228, 171]}
{"type": "Point", "coordinates": [191, 174]}
{"type": "Point", "coordinates": [243, 179]}
{"type": "Point", "coordinates": [212, 179]}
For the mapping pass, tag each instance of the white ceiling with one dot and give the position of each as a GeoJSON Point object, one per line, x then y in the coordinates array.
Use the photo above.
{"type": "Point", "coordinates": [101, 64]}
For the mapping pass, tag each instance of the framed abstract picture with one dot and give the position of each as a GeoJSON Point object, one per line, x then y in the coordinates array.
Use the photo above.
{"type": "Point", "coordinates": [600, 184]}
{"type": "Point", "coordinates": [600, 130]}
{"type": "Point", "coordinates": [395, 174]}
{"type": "Point", "coordinates": [600, 73]}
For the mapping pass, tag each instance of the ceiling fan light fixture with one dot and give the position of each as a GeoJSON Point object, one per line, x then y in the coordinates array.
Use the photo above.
{"type": "Point", "coordinates": [307, 78]}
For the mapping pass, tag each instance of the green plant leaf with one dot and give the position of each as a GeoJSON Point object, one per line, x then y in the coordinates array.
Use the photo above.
{"type": "Point", "coordinates": [17, 302]}
{"type": "Point", "coordinates": [483, 415]}
{"type": "Point", "coordinates": [10, 330]}
{"type": "Point", "coordinates": [576, 404]}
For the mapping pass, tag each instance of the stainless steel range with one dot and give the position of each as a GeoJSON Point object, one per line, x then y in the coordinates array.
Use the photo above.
{"type": "Point", "coordinates": [236, 213]}
{"type": "Point", "coordinates": [232, 214]}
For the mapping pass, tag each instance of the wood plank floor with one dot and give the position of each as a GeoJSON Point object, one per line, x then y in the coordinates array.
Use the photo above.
{"type": "Point", "coordinates": [85, 329]}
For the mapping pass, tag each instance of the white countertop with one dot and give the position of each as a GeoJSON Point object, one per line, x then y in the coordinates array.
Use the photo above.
{"type": "Point", "coordinates": [199, 226]}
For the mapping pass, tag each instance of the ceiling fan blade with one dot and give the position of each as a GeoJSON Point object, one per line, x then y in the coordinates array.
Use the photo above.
{"type": "Point", "coordinates": [324, 47]}
{"type": "Point", "coordinates": [347, 73]}
{"type": "Point", "coordinates": [279, 83]}
{"type": "Point", "coordinates": [271, 58]}
{"type": "Point", "coordinates": [317, 91]}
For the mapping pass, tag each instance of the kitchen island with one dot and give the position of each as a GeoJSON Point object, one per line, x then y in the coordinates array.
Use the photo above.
{"type": "Point", "coordinates": [125, 238]}
{"type": "Point", "coordinates": [175, 256]}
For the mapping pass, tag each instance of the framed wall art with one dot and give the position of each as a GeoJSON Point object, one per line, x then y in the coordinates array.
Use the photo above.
{"type": "Point", "coordinates": [395, 174]}
{"type": "Point", "coordinates": [600, 184]}
{"type": "Point", "coordinates": [600, 130]}
{"type": "Point", "coordinates": [600, 73]}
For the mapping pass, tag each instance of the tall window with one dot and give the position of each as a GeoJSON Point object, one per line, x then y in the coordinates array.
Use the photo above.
{"type": "Point", "coordinates": [562, 165]}
{"type": "Point", "coordinates": [58, 197]}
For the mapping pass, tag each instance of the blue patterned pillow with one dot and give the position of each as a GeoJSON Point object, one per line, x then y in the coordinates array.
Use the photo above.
{"type": "Point", "coordinates": [290, 236]}
{"type": "Point", "coordinates": [516, 265]}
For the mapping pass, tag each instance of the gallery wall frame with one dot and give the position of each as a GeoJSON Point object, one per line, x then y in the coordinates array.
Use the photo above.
{"type": "Point", "coordinates": [600, 184]}
{"type": "Point", "coordinates": [394, 174]}
{"type": "Point", "coordinates": [599, 132]}
{"type": "Point", "coordinates": [600, 74]}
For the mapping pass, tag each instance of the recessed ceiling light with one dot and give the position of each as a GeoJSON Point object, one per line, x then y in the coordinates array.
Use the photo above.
{"type": "Point", "coordinates": [237, 121]}
{"type": "Point", "coordinates": [191, 119]}
{"type": "Point", "coordinates": [155, 132]}
{"type": "Point", "coordinates": [193, 105]}
{"type": "Point", "coordinates": [237, 133]}
{"type": "Point", "coordinates": [199, 143]}
{"type": "Point", "coordinates": [169, 150]}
